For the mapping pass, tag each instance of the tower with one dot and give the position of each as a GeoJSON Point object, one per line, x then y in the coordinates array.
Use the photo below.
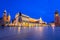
{"type": "Point", "coordinates": [5, 16]}
{"type": "Point", "coordinates": [59, 20]}
{"type": "Point", "coordinates": [20, 17]}
{"type": "Point", "coordinates": [56, 18]}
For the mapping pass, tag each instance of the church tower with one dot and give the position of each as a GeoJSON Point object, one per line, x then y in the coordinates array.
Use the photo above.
{"type": "Point", "coordinates": [5, 16]}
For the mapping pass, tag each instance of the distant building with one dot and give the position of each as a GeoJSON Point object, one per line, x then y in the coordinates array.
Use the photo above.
{"type": "Point", "coordinates": [6, 18]}
{"type": "Point", "coordinates": [22, 20]}
{"type": "Point", "coordinates": [56, 18]}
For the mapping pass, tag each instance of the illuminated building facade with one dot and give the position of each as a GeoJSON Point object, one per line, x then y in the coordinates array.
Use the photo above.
{"type": "Point", "coordinates": [25, 20]}
{"type": "Point", "coordinates": [6, 18]}
{"type": "Point", "coordinates": [21, 20]}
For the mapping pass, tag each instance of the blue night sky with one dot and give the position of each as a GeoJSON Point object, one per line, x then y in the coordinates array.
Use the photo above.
{"type": "Point", "coordinates": [32, 8]}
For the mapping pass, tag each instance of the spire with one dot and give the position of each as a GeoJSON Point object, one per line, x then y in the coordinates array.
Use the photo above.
{"type": "Point", "coordinates": [20, 18]}
{"type": "Point", "coordinates": [56, 12]}
{"type": "Point", "coordinates": [5, 11]}
{"type": "Point", "coordinates": [40, 20]}
{"type": "Point", "coordinates": [20, 14]}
